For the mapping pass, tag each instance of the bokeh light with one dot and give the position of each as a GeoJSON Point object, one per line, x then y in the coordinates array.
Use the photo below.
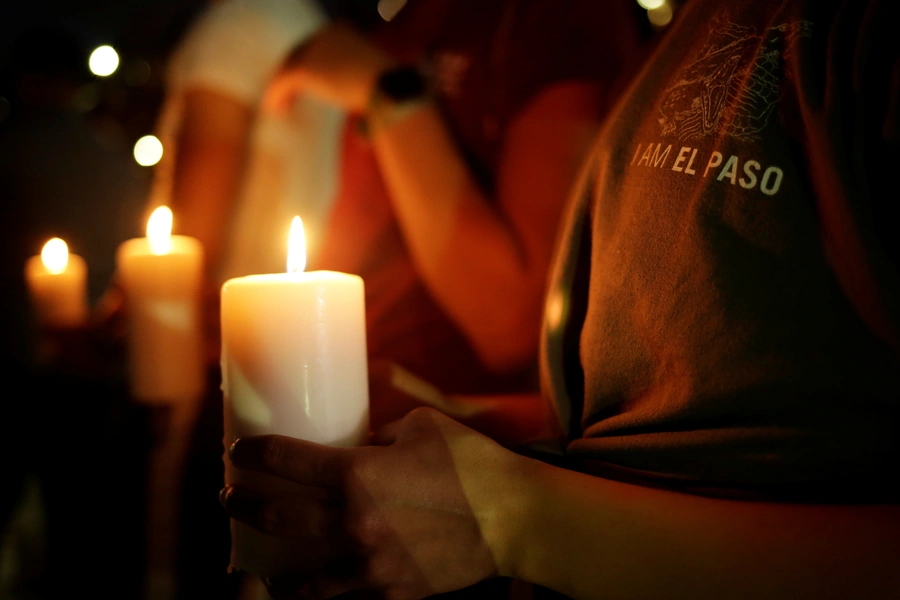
{"type": "Point", "coordinates": [388, 9]}
{"type": "Point", "coordinates": [136, 72]}
{"type": "Point", "coordinates": [104, 61]}
{"type": "Point", "coordinates": [661, 16]}
{"type": "Point", "coordinates": [148, 151]}
{"type": "Point", "coordinates": [86, 98]}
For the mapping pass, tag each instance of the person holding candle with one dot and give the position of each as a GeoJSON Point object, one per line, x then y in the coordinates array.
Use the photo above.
{"type": "Point", "coordinates": [234, 175]}
{"type": "Point", "coordinates": [462, 143]}
{"type": "Point", "coordinates": [720, 347]}
{"type": "Point", "coordinates": [234, 172]}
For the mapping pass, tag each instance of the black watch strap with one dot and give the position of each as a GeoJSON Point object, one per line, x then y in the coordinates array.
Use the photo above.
{"type": "Point", "coordinates": [398, 92]}
{"type": "Point", "coordinates": [401, 84]}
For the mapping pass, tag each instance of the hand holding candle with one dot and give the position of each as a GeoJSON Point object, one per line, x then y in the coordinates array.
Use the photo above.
{"type": "Point", "coordinates": [293, 363]}
{"type": "Point", "coordinates": [161, 275]}
{"type": "Point", "coordinates": [57, 285]}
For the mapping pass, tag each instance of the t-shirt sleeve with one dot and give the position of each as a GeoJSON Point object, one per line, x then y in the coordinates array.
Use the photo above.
{"type": "Point", "coordinates": [237, 45]}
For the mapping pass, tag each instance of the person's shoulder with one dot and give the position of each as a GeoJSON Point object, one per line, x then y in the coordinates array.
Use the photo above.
{"type": "Point", "coordinates": [241, 15]}
{"type": "Point", "coordinates": [236, 44]}
{"type": "Point", "coordinates": [233, 25]}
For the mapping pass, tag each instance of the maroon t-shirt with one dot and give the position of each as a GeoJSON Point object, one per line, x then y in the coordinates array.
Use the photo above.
{"type": "Point", "coordinates": [489, 60]}
{"type": "Point", "coordinates": [727, 280]}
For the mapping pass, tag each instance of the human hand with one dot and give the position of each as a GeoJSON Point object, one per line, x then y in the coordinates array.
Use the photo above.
{"type": "Point", "coordinates": [416, 516]}
{"type": "Point", "coordinates": [394, 392]}
{"type": "Point", "coordinates": [338, 65]}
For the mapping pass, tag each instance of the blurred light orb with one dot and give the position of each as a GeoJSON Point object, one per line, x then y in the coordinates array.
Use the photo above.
{"type": "Point", "coordinates": [660, 17]}
{"type": "Point", "coordinates": [136, 72]}
{"type": "Point", "coordinates": [104, 61]}
{"type": "Point", "coordinates": [388, 9]}
{"type": "Point", "coordinates": [86, 98]}
{"type": "Point", "coordinates": [148, 151]}
{"type": "Point", "coordinates": [651, 4]}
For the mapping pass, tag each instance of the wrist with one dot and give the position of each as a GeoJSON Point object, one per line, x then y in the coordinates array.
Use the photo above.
{"type": "Point", "coordinates": [396, 92]}
{"type": "Point", "coordinates": [508, 509]}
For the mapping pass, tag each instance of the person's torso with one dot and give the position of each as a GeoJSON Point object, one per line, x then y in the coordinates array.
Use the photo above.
{"type": "Point", "coordinates": [732, 331]}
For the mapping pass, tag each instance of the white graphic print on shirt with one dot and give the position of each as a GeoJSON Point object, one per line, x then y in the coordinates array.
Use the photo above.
{"type": "Point", "coordinates": [730, 90]}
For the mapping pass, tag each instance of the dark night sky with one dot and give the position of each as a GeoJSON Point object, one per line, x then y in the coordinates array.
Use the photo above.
{"type": "Point", "coordinates": [94, 21]}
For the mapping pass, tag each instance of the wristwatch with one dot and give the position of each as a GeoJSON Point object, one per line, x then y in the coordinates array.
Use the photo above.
{"type": "Point", "coordinates": [401, 84]}
{"type": "Point", "coordinates": [397, 92]}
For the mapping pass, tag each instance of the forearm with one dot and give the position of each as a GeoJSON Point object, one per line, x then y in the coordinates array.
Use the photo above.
{"type": "Point", "coordinates": [510, 419]}
{"type": "Point", "coordinates": [203, 197]}
{"type": "Point", "coordinates": [594, 538]}
{"type": "Point", "coordinates": [210, 160]}
{"type": "Point", "coordinates": [465, 248]}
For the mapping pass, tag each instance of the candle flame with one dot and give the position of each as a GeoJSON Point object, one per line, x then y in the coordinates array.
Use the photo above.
{"type": "Point", "coordinates": [159, 231]}
{"type": "Point", "coordinates": [296, 259]}
{"type": "Point", "coordinates": [55, 256]}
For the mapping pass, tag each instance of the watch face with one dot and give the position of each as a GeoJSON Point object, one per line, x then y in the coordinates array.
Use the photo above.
{"type": "Point", "coordinates": [388, 9]}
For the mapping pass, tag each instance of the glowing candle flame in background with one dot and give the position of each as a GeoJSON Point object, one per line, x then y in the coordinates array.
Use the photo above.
{"type": "Point", "coordinates": [55, 256]}
{"type": "Point", "coordinates": [159, 231]}
{"type": "Point", "coordinates": [296, 259]}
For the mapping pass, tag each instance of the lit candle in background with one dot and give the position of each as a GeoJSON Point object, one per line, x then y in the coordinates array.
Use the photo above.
{"type": "Point", "coordinates": [57, 284]}
{"type": "Point", "coordinates": [162, 275]}
{"type": "Point", "coordinates": [293, 363]}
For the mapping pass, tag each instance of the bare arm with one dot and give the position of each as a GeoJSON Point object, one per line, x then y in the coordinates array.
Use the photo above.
{"type": "Point", "coordinates": [510, 419]}
{"type": "Point", "coordinates": [593, 538]}
{"type": "Point", "coordinates": [486, 261]}
{"type": "Point", "coordinates": [439, 507]}
{"type": "Point", "coordinates": [209, 165]}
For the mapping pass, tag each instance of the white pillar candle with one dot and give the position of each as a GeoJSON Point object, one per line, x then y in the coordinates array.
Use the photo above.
{"type": "Point", "coordinates": [57, 285]}
{"type": "Point", "coordinates": [161, 276]}
{"type": "Point", "coordinates": [293, 363]}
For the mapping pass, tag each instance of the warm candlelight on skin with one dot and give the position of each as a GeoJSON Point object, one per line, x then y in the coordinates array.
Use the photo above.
{"type": "Point", "coordinates": [161, 275]}
{"type": "Point", "coordinates": [293, 363]}
{"type": "Point", "coordinates": [57, 284]}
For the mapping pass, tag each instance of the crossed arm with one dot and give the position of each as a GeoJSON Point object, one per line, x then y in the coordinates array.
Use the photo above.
{"type": "Point", "coordinates": [437, 507]}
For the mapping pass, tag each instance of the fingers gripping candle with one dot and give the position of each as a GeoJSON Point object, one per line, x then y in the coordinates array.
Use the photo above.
{"type": "Point", "coordinates": [293, 363]}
